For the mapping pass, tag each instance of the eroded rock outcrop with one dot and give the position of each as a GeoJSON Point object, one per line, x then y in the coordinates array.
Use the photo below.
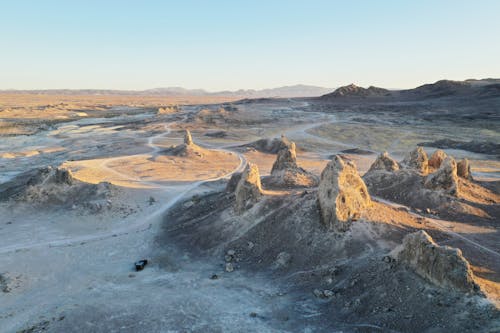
{"type": "Point", "coordinates": [442, 265]}
{"type": "Point", "coordinates": [249, 189]}
{"type": "Point", "coordinates": [437, 158]}
{"type": "Point", "coordinates": [233, 182]}
{"type": "Point", "coordinates": [384, 162]}
{"type": "Point", "coordinates": [417, 159]}
{"type": "Point", "coordinates": [463, 169]}
{"type": "Point", "coordinates": [445, 178]}
{"type": "Point", "coordinates": [286, 172]}
{"type": "Point", "coordinates": [287, 157]}
{"type": "Point", "coordinates": [342, 194]}
{"type": "Point", "coordinates": [188, 140]}
{"type": "Point", "coordinates": [187, 149]}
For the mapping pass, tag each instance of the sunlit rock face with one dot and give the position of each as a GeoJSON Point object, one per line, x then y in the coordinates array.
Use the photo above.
{"type": "Point", "coordinates": [463, 169]}
{"type": "Point", "coordinates": [437, 158]}
{"type": "Point", "coordinates": [442, 265]}
{"type": "Point", "coordinates": [342, 194]}
{"type": "Point", "coordinates": [249, 189]}
{"type": "Point", "coordinates": [445, 178]}
{"type": "Point", "coordinates": [285, 171]}
{"type": "Point", "coordinates": [188, 140]}
{"type": "Point", "coordinates": [384, 162]}
{"type": "Point", "coordinates": [417, 159]}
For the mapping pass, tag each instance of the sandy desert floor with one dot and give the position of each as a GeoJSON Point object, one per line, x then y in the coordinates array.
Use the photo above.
{"type": "Point", "coordinates": [70, 267]}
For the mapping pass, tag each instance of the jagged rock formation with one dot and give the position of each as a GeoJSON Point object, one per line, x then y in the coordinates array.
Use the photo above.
{"type": "Point", "coordinates": [187, 149]}
{"type": "Point", "coordinates": [463, 169]}
{"type": "Point", "coordinates": [437, 158]}
{"type": "Point", "coordinates": [249, 189]}
{"type": "Point", "coordinates": [417, 159]}
{"type": "Point", "coordinates": [342, 194]}
{"type": "Point", "coordinates": [442, 265]}
{"type": "Point", "coordinates": [286, 172]}
{"type": "Point", "coordinates": [287, 157]}
{"type": "Point", "coordinates": [384, 162]}
{"type": "Point", "coordinates": [188, 140]}
{"type": "Point", "coordinates": [445, 178]}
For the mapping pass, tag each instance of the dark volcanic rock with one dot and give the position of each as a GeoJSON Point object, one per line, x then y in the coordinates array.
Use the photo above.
{"type": "Point", "coordinates": [482, 147]}
{"type": "Point", "coordinates": [354, 91]}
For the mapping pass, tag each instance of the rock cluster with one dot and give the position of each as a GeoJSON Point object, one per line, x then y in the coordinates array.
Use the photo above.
{"type": "Point", "coordinates": [342, 194]}
{"type": "Point", "coordinates": [384, 162]}
{"type": "Point", "coordinates": [442, 265]}
{"type": "Point", "coordinates": [417, 159]}
{"type": "Point", "coordinates": [249, 189]}
{"type": "Point", "coordinates": [463, 169]}
{"type": "Point", "coordinates": [437, 158]}
{"type": "Point", "coordinates": [445, 178]}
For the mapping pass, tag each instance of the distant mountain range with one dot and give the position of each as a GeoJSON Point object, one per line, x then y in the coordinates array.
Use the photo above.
{"type": "Point", "coordinates": [299, 90]}
{"type": "Point", "coordinates": [444, 88]}
{"type": "Point", "coordinates": [483, 88]}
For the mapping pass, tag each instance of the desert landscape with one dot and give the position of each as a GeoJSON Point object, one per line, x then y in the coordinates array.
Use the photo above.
{"type": "Point", "coordinates": [356, 210]}
{"type": "Point", "coordinates": [258, 166]}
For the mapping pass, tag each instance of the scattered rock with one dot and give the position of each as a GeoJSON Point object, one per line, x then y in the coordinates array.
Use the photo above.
{"type": "Point", "coordinates": [229, 267]}
{"type": "Point", "coordinates": [342, 194]}
{"type": "Point", "coordinates": [139, 265]}
{"type": "Point", "coordinates": [214, 277]}
{"type": "Point", "coordinates": [328, 293]}
{"type": "Point", "coordinates": [417, 159]}
{"type": "Point", "coordinates": [463, 169]}
{"type": "Point", "coordinates": [249, 189]}
{"type": "Point", "coordinates": [442, 265]}
{"type": "Point", "coordinates": [445, 178]}
{"type": "Point", "coordinates": [384, 162]}
{"type": "Point", "coordinates": [318, 293]}
{"type": "Point", "coordinates": [437, 158]}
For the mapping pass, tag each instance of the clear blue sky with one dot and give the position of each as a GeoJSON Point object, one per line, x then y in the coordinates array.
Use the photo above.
{"type": "Point", "coordinates": [245, 44]}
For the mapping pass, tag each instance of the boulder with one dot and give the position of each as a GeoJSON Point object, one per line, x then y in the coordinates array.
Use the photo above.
{"type": "Point", "coordinates": [463, 169]}
{"type": "Point", "coordinates": [437, 158]}
{"type": "Point", "coordinates": [417, 159]}
{"type": "Point", "coordinates": [342, 194]}
{"type": "Point", "coordinates": [445, 178]}
{"type": "Point", "coordinates": [442, 265]}
{"type": "Point", "coordinates": [384, 162]}
{"type": "Point", "coordinates": [249, 190]}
